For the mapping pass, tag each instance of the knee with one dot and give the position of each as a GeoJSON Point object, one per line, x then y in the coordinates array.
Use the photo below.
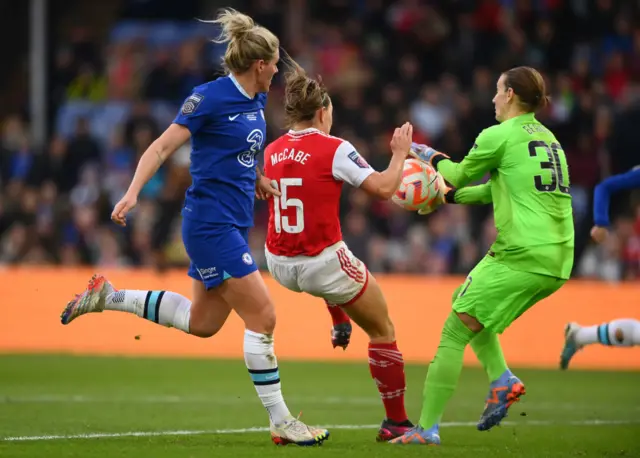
{"type": "Point", "coordinates": [204, 322]}
{"type": "Point", "coordinates": [470, 322]}
{"type": "Point", "coordinates": [389, 330]}
{"type": "Point", "coordinates": [204, 329]}
{"type": "Point", "coordinates": [269, 320]}
{"type": "Point", "coordinates": [382, 332]}
{"type": "Point", "coordinates": [264, 321]}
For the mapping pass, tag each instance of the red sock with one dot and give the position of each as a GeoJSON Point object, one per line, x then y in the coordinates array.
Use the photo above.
{"type": "Point", "coordinates": [338, 316]}
{"type": "Point", "coordinates": [387, 369]}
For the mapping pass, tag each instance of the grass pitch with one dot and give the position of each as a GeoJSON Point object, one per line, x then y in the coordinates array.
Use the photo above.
{"type": "Point", "coordinates": [64, 406]}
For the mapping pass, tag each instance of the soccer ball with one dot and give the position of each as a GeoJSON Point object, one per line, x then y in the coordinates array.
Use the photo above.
{"type": "Point", "coordinates": [420, 186]}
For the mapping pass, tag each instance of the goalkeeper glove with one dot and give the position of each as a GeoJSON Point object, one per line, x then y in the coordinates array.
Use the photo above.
{"type": "Point", "coordinates": [425, 153]}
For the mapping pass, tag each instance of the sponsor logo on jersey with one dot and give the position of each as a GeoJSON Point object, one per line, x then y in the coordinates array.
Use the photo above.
{"type": "Point", "coordinates": [192, 102]}
{"type": "Point", "coordinates": [255, 140]}
{"type": "Point", "coordinates": [475, 146]}
{"type": "Point", "coordinates": [358, 160]}
{"type": "Point", "coordinates": [208, 273]}
{"type": "Point", "coordinates": [247, 158]}
{"type": "Point", "coordinates": [247, 259]}
{"type": "Point", "coordinates": [252, 116]}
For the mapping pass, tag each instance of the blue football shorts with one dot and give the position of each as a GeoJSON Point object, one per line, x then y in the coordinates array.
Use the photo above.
{"type": "Point", "coordinates": [217, 251]}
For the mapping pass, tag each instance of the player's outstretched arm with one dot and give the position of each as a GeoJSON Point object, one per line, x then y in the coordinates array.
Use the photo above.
{"type": "Point", "coordinates": [151, 160]}
{"type": "Point", "coordinates": [484, 156]}
{"type": "Point", "coordinates": [603, 191]}
{"type": "Point", "coordinates": [602, 199]}
{"type": "Point", "coordinates": [158, 152]}
{"type": "Point", "coordinates": [384, 184]}
{"type": "Point", "coordinates": [470, 195]}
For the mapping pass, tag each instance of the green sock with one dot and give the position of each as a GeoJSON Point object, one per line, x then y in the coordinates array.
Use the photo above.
{"type": "Point", "coordinates": [487, 348]}
{"type": "Point", "coordinates": [444, 370]}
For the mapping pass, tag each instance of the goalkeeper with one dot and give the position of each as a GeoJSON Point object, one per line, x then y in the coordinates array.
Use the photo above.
{"type": "Point", "coordinates": [531, 258]}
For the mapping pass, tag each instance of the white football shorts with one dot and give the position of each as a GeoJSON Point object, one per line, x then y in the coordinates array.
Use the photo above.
{"type": "Point", "coordinates": [334, 275]}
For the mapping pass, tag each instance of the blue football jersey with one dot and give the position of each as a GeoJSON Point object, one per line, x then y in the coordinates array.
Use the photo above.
{"type": "Point", "coordinates": [228, 130]}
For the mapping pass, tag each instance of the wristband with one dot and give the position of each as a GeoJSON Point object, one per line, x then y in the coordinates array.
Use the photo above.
{"type": "Point", "coordinates": [450, 196]}
{"type": "Point", "coordinates": [437, 158]}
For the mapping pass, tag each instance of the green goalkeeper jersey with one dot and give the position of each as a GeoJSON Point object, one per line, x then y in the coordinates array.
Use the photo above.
{"type": "Point", "coordinates": [529, 188]}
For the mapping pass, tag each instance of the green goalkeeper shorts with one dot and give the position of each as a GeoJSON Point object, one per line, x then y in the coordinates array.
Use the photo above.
{"type": "Point", "coordinates": [497, 295]}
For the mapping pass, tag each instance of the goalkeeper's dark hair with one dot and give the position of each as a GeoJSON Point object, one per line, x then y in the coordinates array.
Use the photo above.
{"type": "Point", "coordinates": [528, 84]}
{"type": "Point", "coordinates": [303, 95]}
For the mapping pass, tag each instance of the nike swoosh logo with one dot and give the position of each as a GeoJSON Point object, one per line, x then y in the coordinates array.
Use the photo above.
{"type": "Point", "coordinates": [231, 118]}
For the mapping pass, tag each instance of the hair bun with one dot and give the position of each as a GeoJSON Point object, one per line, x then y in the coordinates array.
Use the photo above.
{"type": "Point", "coordinates": [235, 25]}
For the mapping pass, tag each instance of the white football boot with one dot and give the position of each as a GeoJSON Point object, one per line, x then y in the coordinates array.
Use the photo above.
{"type": "Point", "coordinates": [294, 431]}
{"type": "Point", "coordinates": [90, 301]}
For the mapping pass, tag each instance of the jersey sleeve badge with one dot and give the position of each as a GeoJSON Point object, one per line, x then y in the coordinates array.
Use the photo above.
{"type": "Point", "coordinates": [358, 160]}
{"type": "Point", "coordinates": [191, 104]}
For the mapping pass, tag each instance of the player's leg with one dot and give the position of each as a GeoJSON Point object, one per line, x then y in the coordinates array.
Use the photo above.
{"type": "Point", "coordinates": [472, 311]}
{"type": "Point", "coordinates": [486, 346]}
{"type": "Point", "coordinates": [386, 364]}
{"type": "Point", "coordinates": [203, 317]}
{"type": "Point", "coordinates": [341, 327]}
{"type": "Point", "coordinates": [446, 366]}
{"type": "Point", "coordinates": [245, 290]}
{"type": "Point", "coordinates": [518, 292]}
{"type": "Point", "coordinates": [341, 279]}
{"type": "Point", "coordinates": [209, 311]}
{"type": "Point", "coordinates": [284, 271]}
{"type": "Point", "coordinates": [624, 332]}
{"type": "Point", "coordinates": [252, 302]}
{"type": "Point", "coordinates": [442, 378]}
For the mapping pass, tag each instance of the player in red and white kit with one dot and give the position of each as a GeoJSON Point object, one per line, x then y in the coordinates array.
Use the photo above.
{"type": "Point", "coordinates": [304, 247]}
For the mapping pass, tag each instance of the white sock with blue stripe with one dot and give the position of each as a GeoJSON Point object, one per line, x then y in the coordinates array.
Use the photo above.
{"type": "Point", "coordinates": [263, 368]}
{"type": "Point", "coordinates": [618, 333]}
{"type": "Point", "coordinates": [162, 307]}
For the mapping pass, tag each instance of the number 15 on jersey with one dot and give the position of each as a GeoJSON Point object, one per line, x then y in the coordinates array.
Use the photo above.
{"type": "Point", "coordinates": [282, 223]}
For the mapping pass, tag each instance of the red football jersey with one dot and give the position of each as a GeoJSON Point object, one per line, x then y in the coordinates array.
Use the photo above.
{"type": "Point", "coordinates": [309, 167]}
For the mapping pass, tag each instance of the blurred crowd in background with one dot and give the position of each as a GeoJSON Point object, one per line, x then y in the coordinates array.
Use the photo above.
{"type": "Point", "coordinates": [434, 63]}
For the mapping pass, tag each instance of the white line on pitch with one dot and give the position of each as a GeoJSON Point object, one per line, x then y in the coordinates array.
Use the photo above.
{"type": "Point", "coordinates": [264, 429]}
{"type": "Point", "coordinates": [231, 400]}
{"type": "Point", "coordinates": [177, 399]}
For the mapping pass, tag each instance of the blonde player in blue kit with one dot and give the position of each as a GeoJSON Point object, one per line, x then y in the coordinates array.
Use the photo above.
{"type": "Point", "coordinates": [225, 121]}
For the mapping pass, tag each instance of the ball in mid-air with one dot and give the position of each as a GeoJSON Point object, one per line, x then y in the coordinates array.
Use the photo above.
{"type": "Point", "coordinates": [420, 186]}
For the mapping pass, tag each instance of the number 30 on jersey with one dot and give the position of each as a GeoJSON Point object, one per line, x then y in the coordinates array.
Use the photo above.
{"type": "Point", "coordinates": [282, 223]}
{"type": "Point", "coordinates": [554, 165]}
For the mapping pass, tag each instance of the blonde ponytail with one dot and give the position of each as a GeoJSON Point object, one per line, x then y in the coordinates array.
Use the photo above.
{"type": "Point", "coordinates": [235, 25]}
{"type": "Point", "coordinates": [247, 41]}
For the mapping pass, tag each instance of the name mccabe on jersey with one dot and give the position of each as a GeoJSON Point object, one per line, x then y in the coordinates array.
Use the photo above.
{"type": "Point", "coordinates": [290, 154]}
